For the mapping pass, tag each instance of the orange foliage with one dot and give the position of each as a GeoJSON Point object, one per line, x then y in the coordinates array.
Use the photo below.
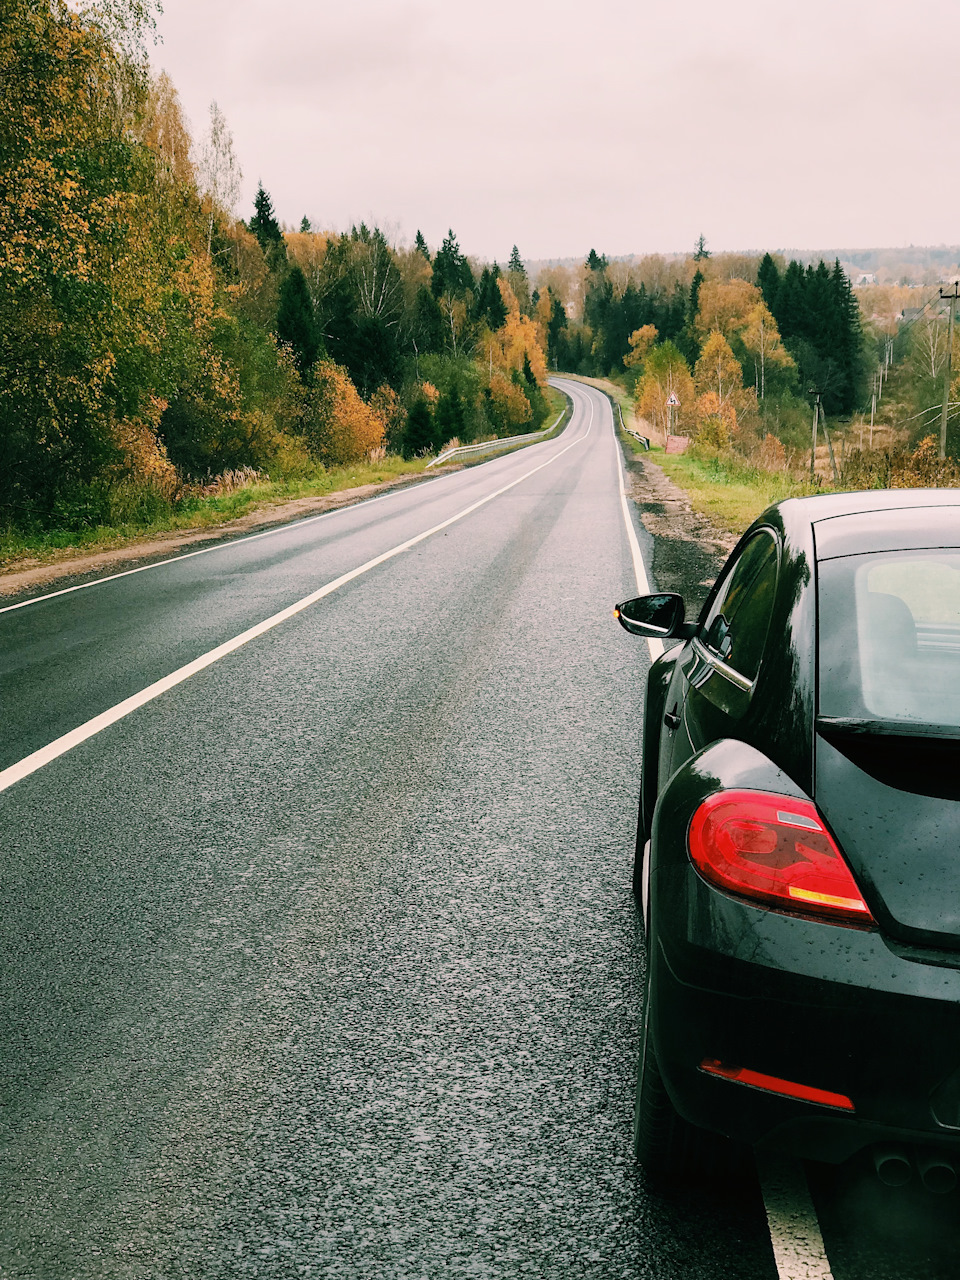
{"type": "Point", "coordinates": [641, 340]}
{"type": "Point", "coordinates": [725, 305]}
{"type": "Point", "coordinates": [340, 427]}
{"type": "Point", "coordinates": [519, 336]}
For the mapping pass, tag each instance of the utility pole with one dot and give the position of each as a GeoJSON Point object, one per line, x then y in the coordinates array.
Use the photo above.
{"type": "Point", "coordinates": [873, 408]}
{"type": "Point", "coordinates": [813, 445]}
{"type": "Point", "coordinates": [833, 461]}
{"type": "Point", "coordinates": [948, 369]}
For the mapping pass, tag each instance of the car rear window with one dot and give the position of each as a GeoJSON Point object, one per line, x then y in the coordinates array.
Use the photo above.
{"type": "Point", "coordinates": [889, 632]}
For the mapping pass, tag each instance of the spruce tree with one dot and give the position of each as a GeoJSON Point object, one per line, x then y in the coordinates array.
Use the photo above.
{"type": "Point", "coordinates": [700, 250]}
{"type": "Point", "coordinates": [296, 324]}
{"type": "Point", "coordinates": [768, 281]}
{"type": "Point", "coordinates": [305, 224]}
{"type": "Point", "coordinates": [451, 270]}
{"type": "Point", "coordinates": [264, 224]}
{"type": "Point", "coordinates": [420, 245]}
{"type": "Point", "coordinates": [419, 433]}
{"type": "Point", "coordinates": [516, 262]}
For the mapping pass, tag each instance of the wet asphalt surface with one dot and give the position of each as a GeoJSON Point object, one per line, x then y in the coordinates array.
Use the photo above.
{"type": "Point", "coordinates": [325, 963]}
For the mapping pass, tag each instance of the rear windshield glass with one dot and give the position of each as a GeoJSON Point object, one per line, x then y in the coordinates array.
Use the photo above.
{"type": "Point", "coordinates": [890, 637]}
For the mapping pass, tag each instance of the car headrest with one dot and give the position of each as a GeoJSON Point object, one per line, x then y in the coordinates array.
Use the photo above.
{"type": "Point", "coordinates": [890, 616]}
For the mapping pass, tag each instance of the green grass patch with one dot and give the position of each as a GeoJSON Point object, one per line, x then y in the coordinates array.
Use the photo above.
{"type": "Point", "coordinates": [730, 492]}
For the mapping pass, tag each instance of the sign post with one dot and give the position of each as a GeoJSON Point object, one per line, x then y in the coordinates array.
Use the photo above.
{"type": "Point", "coordinates": [673, 404]}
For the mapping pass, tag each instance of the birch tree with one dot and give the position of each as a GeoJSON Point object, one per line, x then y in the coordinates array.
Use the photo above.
{"type": "Point", "coordinates": [220, 174]}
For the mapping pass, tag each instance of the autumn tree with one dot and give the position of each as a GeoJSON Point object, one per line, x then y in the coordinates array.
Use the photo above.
{"type": "Point", "coordinates": [219, 173]}
{"type": "Point", "coordinates": [641, 341]}
{"type": "Point", "coordinates": [761, 338]}
{"type": "Point", "coordinates": [725, 305]}
{"type": "Point", "coordinates": [339, 427]}
{"type": "Point", "coordinates": [666, 374]}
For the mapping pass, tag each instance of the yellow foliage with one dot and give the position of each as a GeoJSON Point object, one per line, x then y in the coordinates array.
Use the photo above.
{"type": "Point", "coordinates": [165, 133]}
{"type": "Point", "coordinates": [430, 393]}
{"type": "Point", "coordinates": [307, 250]}
{"type": "Point", "coordinates": [641, 340]}
{"type": "Point", "coordinates": [517, 337]}
{"type": "Point", "coordinates": [718, 370]}
{"type": "Point", "coordinates": [667, 377]}
{"type": "Point", "coordinates": [144, 456]}
{"type": "Point", "coordinates": [340, 427]}
{"type": "Point", "coordinates": [510, 407]}
{"type": "Point", "coordinates": [725, 305]}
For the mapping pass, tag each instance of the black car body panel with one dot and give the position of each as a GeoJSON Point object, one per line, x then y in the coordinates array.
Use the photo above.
{"type": "Point", "coordinates": [870, 1012]}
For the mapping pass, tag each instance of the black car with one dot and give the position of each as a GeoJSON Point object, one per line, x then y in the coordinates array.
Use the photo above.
{"type": "Point", "coordinates": [798, 845]}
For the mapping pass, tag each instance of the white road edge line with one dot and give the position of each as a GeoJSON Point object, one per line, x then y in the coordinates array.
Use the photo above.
{"type": "Point", "coordinates": [639, 570]}
{"type": "Point", "coordinates": [220, 546]}
{"type": "Point", "coordinates": [791, 1217]}
{"type": "Point", "coordinates": [798, 1247]}
{"type": "Point", "coordinates": [31, 763]}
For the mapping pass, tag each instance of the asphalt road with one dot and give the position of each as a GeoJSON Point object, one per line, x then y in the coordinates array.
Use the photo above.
{"type": "Point", "coordinates": [322, 961]}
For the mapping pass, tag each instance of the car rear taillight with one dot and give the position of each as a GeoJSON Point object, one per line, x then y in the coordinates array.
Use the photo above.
{"type": "Point", "coordinates": [776, 850]}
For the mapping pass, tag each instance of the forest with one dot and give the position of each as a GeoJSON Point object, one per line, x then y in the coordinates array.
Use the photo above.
{"type": "Point", "coordinates": [156, 345]}
{"type": "Point", "coordinates": [153, 343]}
{"type": "Point", "coordinates": [745, 343]}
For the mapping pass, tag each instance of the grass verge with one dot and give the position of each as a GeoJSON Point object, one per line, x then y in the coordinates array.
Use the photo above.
{"type": "Point", "coordinates": [732, 494]}
{"type": "Point", "coordinates": [197, 513]}
{"type": "Point", "coordinates": [38, 547]}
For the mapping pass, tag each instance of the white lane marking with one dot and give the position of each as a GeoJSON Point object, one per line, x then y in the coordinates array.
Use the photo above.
{"type": "Point", "coordinates": [639, 570]}
{"type": "Point", "coordinates": [233, 542]}
{"type": "Point", "coordinates": [31, 763]}
{"type": "Point", "coordinates": [794, 1230]}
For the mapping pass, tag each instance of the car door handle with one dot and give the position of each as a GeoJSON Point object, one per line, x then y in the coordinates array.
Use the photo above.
{"type": "Point", "coordinates": [671, 719]}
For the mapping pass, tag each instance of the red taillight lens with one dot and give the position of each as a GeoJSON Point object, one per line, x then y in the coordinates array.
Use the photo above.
{"type": "Point", "coordinates": [777, 850]}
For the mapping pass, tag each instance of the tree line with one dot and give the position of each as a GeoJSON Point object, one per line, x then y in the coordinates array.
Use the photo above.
{"type": "Point", "coordinates": [151, 340]}
{"type": "Point", "coordinates": [744, 342]}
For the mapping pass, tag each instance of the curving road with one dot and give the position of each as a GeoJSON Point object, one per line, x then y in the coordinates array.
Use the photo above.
{"type": "Point", "coordinates": [319, 957]}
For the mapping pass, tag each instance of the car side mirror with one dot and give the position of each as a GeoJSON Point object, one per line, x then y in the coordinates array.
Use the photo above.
{"type": "Point", "coordinates": [659, 617]}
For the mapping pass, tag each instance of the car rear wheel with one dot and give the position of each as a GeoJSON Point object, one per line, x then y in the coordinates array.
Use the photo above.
{"type": "Point", "coordinates": [670, 1150]}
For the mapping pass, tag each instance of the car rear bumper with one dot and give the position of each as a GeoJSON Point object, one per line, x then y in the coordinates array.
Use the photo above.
{"type": "Point", "coordinates": [809, 1004]}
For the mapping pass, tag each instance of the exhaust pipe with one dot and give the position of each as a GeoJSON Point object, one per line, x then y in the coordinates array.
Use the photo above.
{"type": "Point", "coordinates": [937, 1174]}
{"type": "Point", "coordinates": [893, 1166]}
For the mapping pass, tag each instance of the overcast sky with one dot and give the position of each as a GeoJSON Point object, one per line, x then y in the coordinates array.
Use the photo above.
{"type": "Point", "coordinates": [626, 125]}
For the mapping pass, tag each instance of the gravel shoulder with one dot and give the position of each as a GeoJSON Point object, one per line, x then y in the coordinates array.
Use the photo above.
{"type": "Point", "coordinates": [688, 550]}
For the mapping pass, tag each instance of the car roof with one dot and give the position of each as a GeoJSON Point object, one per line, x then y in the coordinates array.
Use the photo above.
{"type": "Point", "coordinates": [876, 520]}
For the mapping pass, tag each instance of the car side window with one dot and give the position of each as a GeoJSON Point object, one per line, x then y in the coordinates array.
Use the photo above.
{"type": "Point", "coordinates": [735, 626]}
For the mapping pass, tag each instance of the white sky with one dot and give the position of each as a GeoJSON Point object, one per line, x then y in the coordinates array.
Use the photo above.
{"type": "Point", "coordinates": [626, 125]}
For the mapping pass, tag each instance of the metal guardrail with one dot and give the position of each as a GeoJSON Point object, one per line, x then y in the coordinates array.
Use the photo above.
{"type": "Point", "coordinates": [493, 446]}
{"type": "Point", "coordinates": [636, 434]}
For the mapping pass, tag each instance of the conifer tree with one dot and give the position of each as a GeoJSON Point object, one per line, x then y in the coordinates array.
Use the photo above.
{"type": "Point", "coordinates": [768, 280]}
{"type": "Point", "coordinates": [516, 262]}
{"type": "Point", "coordinates": [264, 224]}
{"type": "Point", "coordinates": [420, 245]}
{"type": "Point", "coordinates": [296, 324]}
{"type": "Point", "coordinates": [305, 224]}
{"type": "Point", "coordinates": [418, 437]}
{"type": "Point", "coordinates": [700, 250]}
{"type": "Point", "coordinates": [451, 271]}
